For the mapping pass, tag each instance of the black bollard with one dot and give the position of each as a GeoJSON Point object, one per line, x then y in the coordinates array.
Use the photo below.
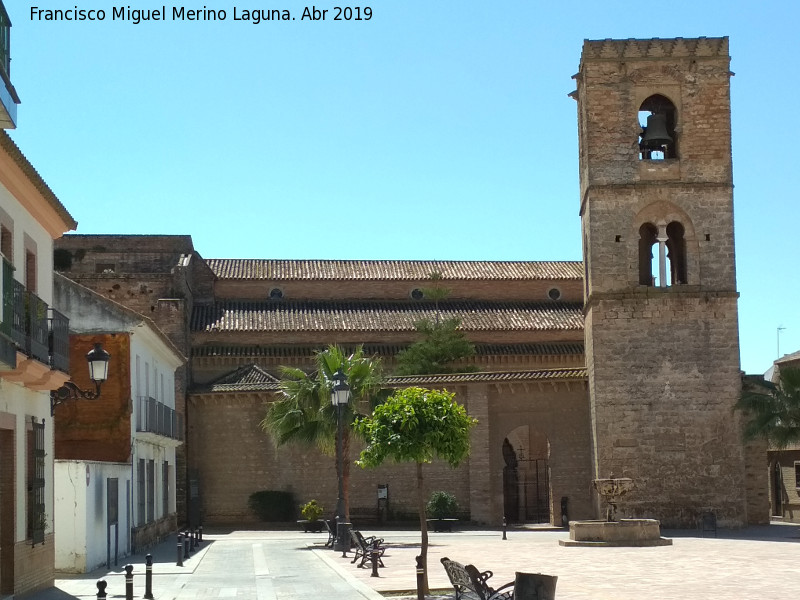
{"type": "Point", "coordinates": [200, 532]}
{"type": "Point", "coordinates": [101, 588]}
{"type": "Point", "coordinates": [504, 528]}
{"type": "Point", "coordinates": [375, 556]}
{"type": "Point", "coordinates": [128, 582]}
{"type": "Point", "coordinates": [196, 537]}
{"type": "Point", "coordinates": [190, 533]}
{"type": "Point", "coordinates": [420, 579]}
{"type": "Point", "coordinates": [180, 551]}
{"type": "Point", "coordinates": [148, 577]}
{"type": "Point", "coordinates": [185, 545]}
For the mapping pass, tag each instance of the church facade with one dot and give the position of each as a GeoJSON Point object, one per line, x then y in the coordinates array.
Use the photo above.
{"type": "Point", "coordinates": [623, 364]}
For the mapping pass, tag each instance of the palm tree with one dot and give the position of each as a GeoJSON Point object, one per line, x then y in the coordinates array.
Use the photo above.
{"type": "Point", "coordinates": [773, 410]}
{"type": "Point", "coordinates": [304, 413]}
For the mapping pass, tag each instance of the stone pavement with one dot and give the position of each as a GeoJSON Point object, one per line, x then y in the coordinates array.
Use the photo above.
{"type": "Point", "coordinates": [745, 564]}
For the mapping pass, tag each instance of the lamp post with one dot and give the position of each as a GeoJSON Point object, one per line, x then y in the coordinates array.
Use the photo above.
{"type": "Point", "coordinates": [98, 372]}
{"type": "Point", "coordinates": [340, 396]}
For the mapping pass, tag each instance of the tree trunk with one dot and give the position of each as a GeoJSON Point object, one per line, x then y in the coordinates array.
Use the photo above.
{"type": "Point", "coordinates": [423, 527]}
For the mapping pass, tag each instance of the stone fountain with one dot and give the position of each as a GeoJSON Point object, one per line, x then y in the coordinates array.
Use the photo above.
{"type": "Point", "coordinates": [613, 532]}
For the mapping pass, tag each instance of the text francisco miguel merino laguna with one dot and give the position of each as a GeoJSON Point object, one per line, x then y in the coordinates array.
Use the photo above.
{"type": "Point", "coordinates": [181, 13]}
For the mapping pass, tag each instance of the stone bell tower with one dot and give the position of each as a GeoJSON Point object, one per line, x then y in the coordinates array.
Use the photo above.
{"type": "Point", "coordinates": [662, 342]}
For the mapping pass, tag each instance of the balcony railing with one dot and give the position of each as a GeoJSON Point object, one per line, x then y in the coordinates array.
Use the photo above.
{"type": "Point", "coordinates": [59, 341]}
{"type": "Point", "coordinates": [36, 330]}
{"type": "Point", "coordinates": [156, 417]}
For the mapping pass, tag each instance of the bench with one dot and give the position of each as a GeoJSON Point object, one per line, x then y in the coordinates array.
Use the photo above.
{"type": "Point", "coordinates": [364, 546]}
{"type": "Point", "coordinates": [467, 579]}
{"type": "Point", "coordinates": [331, 533]}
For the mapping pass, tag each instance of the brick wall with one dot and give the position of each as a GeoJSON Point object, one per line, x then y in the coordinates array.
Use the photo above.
{"type": "Point", "coordinates": [97, 429]}
{"type": "Point", "coordinates": [34, 565]}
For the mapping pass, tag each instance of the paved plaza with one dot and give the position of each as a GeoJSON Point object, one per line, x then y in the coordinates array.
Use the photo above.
{"type": "Point", "coordinates": [745, 564]}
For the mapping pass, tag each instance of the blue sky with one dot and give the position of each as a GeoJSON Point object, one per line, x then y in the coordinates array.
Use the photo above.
{"type": "Point", "coordinates": [434, 130]}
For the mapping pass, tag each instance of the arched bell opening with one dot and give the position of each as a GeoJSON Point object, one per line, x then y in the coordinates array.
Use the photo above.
{"type": "Point", "coordinates": [667, 265]}
{"type": "Point", "coordinates": [658, 138]}
{"type": "Point", "coordinates": [526, 477]}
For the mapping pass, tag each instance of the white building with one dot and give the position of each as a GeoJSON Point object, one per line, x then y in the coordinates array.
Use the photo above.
{"type": "Point", "coordinates": [115, 456]}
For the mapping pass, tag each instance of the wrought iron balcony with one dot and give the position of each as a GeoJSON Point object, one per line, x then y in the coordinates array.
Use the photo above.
{"type": "Point", "coordinates": [156, 417]}
{"type": "Point", "coordinates": [8, 95]}
{"type": "Point", "coordinates": [34, 329]}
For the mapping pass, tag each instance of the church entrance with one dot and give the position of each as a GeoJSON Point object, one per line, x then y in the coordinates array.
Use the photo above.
{"type": "Point", "coordinates": [526, 479]}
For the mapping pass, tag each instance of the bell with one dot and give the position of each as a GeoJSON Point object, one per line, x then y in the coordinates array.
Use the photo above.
{"type": "Point", "coordinates": [656, 135]}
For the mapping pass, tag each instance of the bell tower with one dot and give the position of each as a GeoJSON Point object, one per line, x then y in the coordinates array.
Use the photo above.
{"type": "Point", "coordinates": [661, 329]}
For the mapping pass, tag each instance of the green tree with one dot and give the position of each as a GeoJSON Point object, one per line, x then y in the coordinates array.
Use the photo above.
{"type": "Point", "coordinates": [772, 411]}
{"type": "Point", "coordinates": [416, 425]}
{"type": "Point", "coordinates": [303, 413]}
{"type": "Point", "coordinates": [442, 343]}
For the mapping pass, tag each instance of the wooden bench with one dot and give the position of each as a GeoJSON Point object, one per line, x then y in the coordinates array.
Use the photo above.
{"type": "Point", "coordinates": [363, 547]}
{"type": "Point", "coordinates": [466, 579]}
{"type": "Point", "coordinates": [441, 525]}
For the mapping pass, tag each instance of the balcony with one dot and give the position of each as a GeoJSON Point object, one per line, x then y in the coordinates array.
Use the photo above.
{"type": "Point", "coordinates": [34, 339]}
{"type": "Point", "coordinates": [8, 95]}
{"type": "Point", "coordinates": [157, 421]}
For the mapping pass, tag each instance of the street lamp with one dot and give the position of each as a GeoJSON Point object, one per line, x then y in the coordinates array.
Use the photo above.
{"type": "Point", "coordinates": [340, 396]}
{"type": "Point", "coordinates": [98, 372]}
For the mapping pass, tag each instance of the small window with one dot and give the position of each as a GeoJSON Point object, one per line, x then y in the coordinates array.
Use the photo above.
{"type": "Point", "coordinates": [7, 243]}
{"type": "Point", "coordinates": [104, 268]}
{"type": "Point", "coordinates": [797, 475]}
{"type": "Point", "coordinates": [275, 294]}
{"type": "Point", "coordinates": [554, 294]}
{"type": "Point", "coordinates": [30, 271]}
{"type": "Point", "coordinates": [37, 518]}
{"type": "Point", "coordinates": [417, 294]}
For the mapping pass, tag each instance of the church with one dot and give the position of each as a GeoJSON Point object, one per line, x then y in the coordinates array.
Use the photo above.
{"type": "Point", "coordinates": [624, 364]}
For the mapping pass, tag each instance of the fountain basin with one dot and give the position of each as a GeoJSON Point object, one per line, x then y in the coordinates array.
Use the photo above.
{"type": "Point", "coordinates": [625, 532]}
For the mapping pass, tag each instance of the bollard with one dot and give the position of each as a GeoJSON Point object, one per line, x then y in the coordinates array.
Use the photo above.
{"type": "Point", "coordinates": [185, 546]}
{"type": "Point", "coordinates": [148, 577]}
{"type": "Point", "coordinates": [504, 528]}
{"type": "Point", "coordinates": [190, 533]}
{"type": "Point", "coordinates": [200, 529]}
{"type": "Point", "coordinates": [128, 582]}
{"type": "Point", "coordinates": [375, 556]}
{"type": "Point", "coordinates": [196, 537]}
{"type": "Point", "coordinates": [101, 588]}
{"type": "Point", "coordinates": [180, 551]}
{"type": "Point", "coordinates": [420, 579]}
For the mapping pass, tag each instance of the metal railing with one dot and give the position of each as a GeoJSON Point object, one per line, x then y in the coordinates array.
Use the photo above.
{"type": "Point", "coordinates": [59, 341]}
{"type": "Point", "coordinates": [156, 417]}
{"type": "Point", "coordinates": [36, 329]}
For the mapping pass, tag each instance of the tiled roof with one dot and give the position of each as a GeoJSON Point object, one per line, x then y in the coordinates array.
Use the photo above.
{"type": "Point", "coordinates": [488, 377]}
{"type": "Point", "coordinates": [404, 270]}
{"type": "Point", "coordinates": [431, 380]}
{"type": "Point", "coordinates": [383, 316]}
{"type": "Point", "coordinates": [33, 175]}
{"type": "Point", "coordinates": [248, 378]}
{"type": "Point", "coordinates": [545, 349]}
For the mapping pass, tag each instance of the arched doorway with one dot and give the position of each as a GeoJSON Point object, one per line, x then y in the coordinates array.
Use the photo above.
{"type": "Point", "coordinates": [526, 477]}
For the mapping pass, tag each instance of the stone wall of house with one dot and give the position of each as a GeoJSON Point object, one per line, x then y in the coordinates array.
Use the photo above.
{"type": "Point", "coordinates": [235, 458]}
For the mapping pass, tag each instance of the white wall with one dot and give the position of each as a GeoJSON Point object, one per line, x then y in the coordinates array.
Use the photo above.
{"type": "Point", "coordinates": [24, 223]}
{"type": "Point", "coordinates": [24, 403]}
{"type": "Point", "coordinates": [81, 520]}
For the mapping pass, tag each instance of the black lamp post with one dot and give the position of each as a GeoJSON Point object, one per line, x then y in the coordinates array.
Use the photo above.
{"type": "Point", "coordinates": [340, 396]}
{"type": "Point", "coordinates": [98, 372]}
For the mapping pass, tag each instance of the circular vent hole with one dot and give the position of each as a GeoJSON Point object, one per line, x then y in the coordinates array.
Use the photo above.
{"type": "Point", "coordinates": [554, 294]}
{"type": "Point", "coordinates": [275, 294]}
{"type": "Point", "coordinates": [417, 294]}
